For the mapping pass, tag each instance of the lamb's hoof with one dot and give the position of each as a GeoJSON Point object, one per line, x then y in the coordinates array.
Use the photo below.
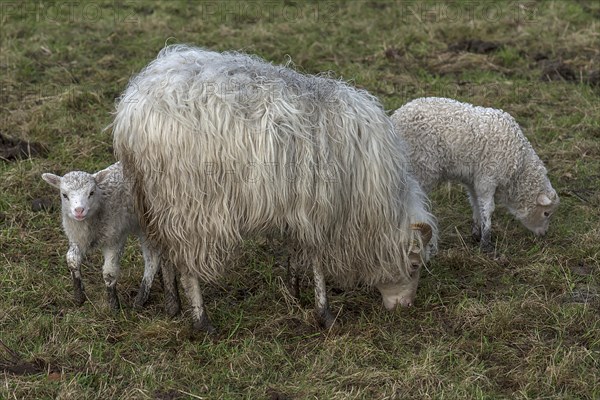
{"type": "Point", "coordinates": [78, 293]}
{"type": "Point", "coordinates": [325, 318]}
{"type": "Point", "coordinates": [203, 325]}
{"type": "Point", "coordinates": [113, 299]}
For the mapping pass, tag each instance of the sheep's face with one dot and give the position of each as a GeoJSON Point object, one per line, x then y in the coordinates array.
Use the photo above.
{"type": "Point", "coordinates": [537, 218]}
{"type": "Point", "coordinates": [403, 293]}
{"type": "Point", "coordinates": [80, 195]}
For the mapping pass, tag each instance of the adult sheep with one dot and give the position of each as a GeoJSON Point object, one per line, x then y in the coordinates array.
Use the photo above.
{"type": "Point", "coordinates": [485, 150]}
{"type": "Point", "coordinates": [225, 146]}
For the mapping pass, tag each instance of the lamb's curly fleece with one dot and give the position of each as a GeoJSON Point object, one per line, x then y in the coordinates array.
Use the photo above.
{"type": "Point", "coordinates": [225, 146]}
{"type": "Point", "coordinates": [110, 219]}
{"type": "Point", "coordinates": [482, 148]}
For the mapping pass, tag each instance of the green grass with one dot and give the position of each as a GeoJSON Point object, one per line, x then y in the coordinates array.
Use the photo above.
{"type": "Point", "coordinates": [523, 324]}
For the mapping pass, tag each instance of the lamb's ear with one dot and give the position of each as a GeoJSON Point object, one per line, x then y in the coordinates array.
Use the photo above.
{"type": "Point", "coordinates": [52, 179]}
{"type": "Point", "coordinates": [543, 200]}
{"type": "Point", "coordinates": [101, 175]}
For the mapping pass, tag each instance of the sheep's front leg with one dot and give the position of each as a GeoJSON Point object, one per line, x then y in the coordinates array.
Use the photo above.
{"type": "Point", "coordinates": [322, 312]}
{"type": "Point", "coordinates": [476, 227]}
{"type": "Point", "coordinates": [171, 293]}
{"type": "Point", "coordinates": [200, 321]}
{"type": "Point", "coordinates": [110, 272]}
{"type": "Point", "coordinates": [486, 208]}
{"type": "Point", "coordinates": [74, 260]}
{"type": "Point", "coordinates": [151, 264]}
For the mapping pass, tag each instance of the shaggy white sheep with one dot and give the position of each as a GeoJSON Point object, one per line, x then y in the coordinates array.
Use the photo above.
{"type": "Point", "coordinates": [97, 211]}
{"type": "Point", "coordinates": [486, 151]}
{"type": "Point", "coordinates": [225, 146]}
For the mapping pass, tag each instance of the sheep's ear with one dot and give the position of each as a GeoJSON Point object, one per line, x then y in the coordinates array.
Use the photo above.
{"type": "Point", "coordinates": [424, 231]}
{"type": "Point", "coordinates": [101, 175]}
{"type": "Point", "coordinates": [543, 200]}
{"type": "Point", "coordinates": [52, 179]}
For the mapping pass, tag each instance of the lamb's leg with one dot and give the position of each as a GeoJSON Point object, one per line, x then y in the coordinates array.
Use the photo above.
{"type": "Point", "coordinates": [110, 273]}
{"type": "Point", "coordinates": [151, 264]}
{"type": "Point", "coordinates": [200, 321]}
{"type": "Point", "coordinates": [476, 227]}
{"type": "Point", "coordinates": [322, 312]}
{"type": "Point", "coordinates": [486, 208]}
{"type": "Point", "coordinates": [74, 260]}
{"type": "Point", "coordinates": [171, 293]}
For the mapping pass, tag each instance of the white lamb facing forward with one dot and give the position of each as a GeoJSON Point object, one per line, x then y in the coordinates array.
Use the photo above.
{"type": "Point", "coordinates": [486, 151]}
{"type": "Point", "coordinates": [97, 211]}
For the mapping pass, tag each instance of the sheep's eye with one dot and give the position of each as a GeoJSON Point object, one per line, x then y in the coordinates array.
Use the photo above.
{"type": "Point", "coordinates": [91, 193]}
{"type": "Point", "coordinates": [65, 196]}
{"type": "Point", "coordinates": [546, 214]}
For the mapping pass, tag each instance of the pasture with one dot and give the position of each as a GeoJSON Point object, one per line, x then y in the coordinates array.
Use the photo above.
{"type": "Point", "coordinates": [523, 322]}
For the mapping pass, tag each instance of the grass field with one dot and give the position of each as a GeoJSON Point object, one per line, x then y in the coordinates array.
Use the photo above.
{"type": "Point", "coordinates": [523, 323]}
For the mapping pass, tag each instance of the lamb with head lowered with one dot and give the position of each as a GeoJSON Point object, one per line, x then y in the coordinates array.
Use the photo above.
{"type": "Point", "coordinates": [486, 151]}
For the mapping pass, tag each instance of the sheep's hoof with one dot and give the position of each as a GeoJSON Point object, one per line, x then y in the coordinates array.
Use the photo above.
{"type": "Point", "coordinates": [113, 298]}
{"type": "Point", "coordinates": [476, 234]}
{"type": "Point", "coordinates": [325, 318]}
{"type": "Point", "coordinates": [487, 247]}
{"type": "Point", "coordinates": [172, 305]}
{"type": "Point", "coordinates": [142, 297]}
{"type": "Point", "coordinates": [203, 325]}
{"type": "Point", "coordinates": [79, 293]}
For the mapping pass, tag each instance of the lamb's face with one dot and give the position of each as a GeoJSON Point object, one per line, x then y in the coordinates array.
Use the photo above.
{"type": "Point", "coordinates": [79, 193]}
{"type": "Point", "coordinates": [536, 218]}
{"type": "Point", "coordinates": [403, 293]}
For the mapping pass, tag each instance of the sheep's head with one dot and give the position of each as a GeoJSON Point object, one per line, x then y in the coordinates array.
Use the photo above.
{"type": "Point", "coordinates": [79, 192]}
{"type": "Point", "coordinates": [536, 217]}
{"type": "Point", "coordinates": [403, 293]}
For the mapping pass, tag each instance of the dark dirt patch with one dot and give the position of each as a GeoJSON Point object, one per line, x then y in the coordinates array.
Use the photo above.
{"type": "Point", "coordinates": [11, 362]}
{"type": "Point", "coordinates": [475, 46]}
{"type": "Point", "coordinates": [42, 204]}
{"type": "Point", "coordinates": [274, 394]}
{"type": "Point", "coordinates": [17, 149]}
{"type": "Point", "coordinates": [392, 53]}
{"type": "Point", "coordinates": [582, 268]}
{"type": "Point", "coordinates": [557, 71]}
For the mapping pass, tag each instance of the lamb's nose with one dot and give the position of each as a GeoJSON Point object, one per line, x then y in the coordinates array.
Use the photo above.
{"type": "Point", "coordinates": [78, 210]}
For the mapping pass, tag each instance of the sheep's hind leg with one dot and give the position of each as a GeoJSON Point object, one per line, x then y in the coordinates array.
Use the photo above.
{"type": "Point", "coordinates": [171, 293]}
{"type": "Point", "coordinates": [200, 321]}
{"type": "Point", "coordinates": [151, 264]}
{"type": "Point", "coordinates": [110, 273]}
{"type": "Point", "coordinates": [74, 259]}
{"type": "Point", "coordinates": [322, 311]}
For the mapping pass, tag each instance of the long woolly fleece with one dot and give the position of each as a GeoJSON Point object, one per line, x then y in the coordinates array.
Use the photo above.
{"type": "Point", "coordinates": [225, 146]}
